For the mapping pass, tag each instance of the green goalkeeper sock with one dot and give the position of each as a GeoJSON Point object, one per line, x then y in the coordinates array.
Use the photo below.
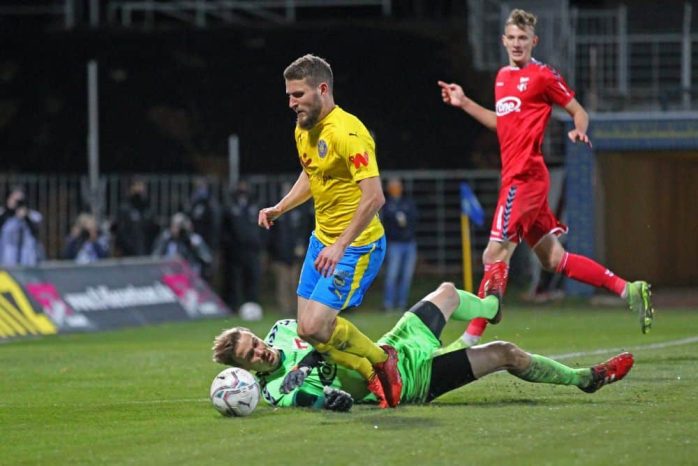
{"type": "Point", "coordinates": [545, 370]}
{"type": "Point", "coordinates": [471, 307]}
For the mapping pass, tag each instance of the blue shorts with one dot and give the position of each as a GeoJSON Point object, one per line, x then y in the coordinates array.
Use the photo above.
{"type": "Point", "coordinates": [353, 275]}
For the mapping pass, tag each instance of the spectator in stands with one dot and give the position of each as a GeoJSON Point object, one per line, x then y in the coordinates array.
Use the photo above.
{"type": "Point", "coordinates": [288, 242]}
{"type": "Point", "coordinates": [19, 231]}
{"type": "Point", "coordinates": [205, 214]}
{"type": "Point", "coordinates": [242, 245]}
{"type": "Point", "coordinates": [86, 243]}
{"type": "Point", "coordinates": [135, 225]}
{"type": "Point", "coordinates": [400, 218]}
{"type": "Point", "coordinates": [179, 240]}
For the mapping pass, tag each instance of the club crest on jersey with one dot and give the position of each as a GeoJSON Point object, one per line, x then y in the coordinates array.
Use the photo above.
{"type": "Point", "coordinates": [322, 148]}
{"type": "Point", "coordinates": [523, 83]}
{"type": "Point", "coordinates": [359, 159]}
{"type": "Point", "coordinates": [506, 105]}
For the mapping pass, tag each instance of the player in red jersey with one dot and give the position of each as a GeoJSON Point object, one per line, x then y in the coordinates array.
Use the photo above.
{"type": "Point", "coordinates": [525, 93]}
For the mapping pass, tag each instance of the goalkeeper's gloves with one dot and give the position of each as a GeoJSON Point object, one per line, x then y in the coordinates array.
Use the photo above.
{"type": "Point", "coordinates": [337, 400]}
{"type": "Point", "coordinates": [297, 375]}
{"type": "Point", "coordinates": [295, 379]}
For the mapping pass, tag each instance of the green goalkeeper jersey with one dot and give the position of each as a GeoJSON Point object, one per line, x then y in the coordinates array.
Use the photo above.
{"type": "Point", "coordinates": [413, 341]}
{"type": "Point", "coordinates": [284, 337]}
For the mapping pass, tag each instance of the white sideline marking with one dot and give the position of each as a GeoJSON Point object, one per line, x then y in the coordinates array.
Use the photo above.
{"type": "Point", "coordinates": [651, 346]}
{"type": "Point", "coordinates": [153, 402]}
{"type": "Point", "coordinates": [131, 402]}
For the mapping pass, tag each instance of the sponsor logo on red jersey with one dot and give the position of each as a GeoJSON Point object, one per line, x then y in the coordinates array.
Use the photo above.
{"type": "Point", "coordinates": [506, 105]}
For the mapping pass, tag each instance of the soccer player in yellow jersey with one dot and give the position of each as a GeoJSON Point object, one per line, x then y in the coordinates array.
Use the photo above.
{"type": "Point", "coordinates": [346, 249]}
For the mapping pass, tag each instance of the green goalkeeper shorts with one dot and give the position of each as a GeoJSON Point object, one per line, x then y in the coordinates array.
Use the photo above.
{"type": "Point", "coordinates": [415, 345]}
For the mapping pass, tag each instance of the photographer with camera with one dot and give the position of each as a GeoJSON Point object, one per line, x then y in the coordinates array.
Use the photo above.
{"type": "Point", "coordinates": [179, 240]}
{"type": "Point", "coordinates": [86, 243]}
{"type": "Point", "coordinates": [19, 231]}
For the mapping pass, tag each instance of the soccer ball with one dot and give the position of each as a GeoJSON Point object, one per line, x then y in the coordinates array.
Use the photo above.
{"type": "Point", "coordinates": [234, 392]}
{"type": "Point", "coordinates": [251, 311]}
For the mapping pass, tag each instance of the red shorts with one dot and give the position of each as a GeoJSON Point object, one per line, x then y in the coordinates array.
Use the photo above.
{"type": "Point", "coordinates": [523, 213]}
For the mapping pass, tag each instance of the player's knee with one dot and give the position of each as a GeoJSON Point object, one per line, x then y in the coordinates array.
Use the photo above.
{"type": "Point", "coordinates": [495, 252]}
{"type": "Point", "coordinates": [548, 263]}
{"type": "Point", "coordinates": [449, 293]}
{"type": "Point", "coordinates": [488, 256]}
{"type": "Point", "coordinates": [518, 358]}
{"type": "Point", "coordinates": [310, 331]}
{"type": "Point", "coordinates": [508, 354]}
{"type": "Point", "coordinates": [550, 259]}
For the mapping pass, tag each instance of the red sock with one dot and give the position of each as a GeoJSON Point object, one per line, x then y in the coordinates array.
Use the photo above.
{"type": "Point", "coordinates": [485, 277]}
{"type": "Point", "coordinates": [587, 271]}
{"type": "Point", "coordinates": [477, 327]}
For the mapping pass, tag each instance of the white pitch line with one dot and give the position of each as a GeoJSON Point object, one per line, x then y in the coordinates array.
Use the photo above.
{"type": "Point", "coordinates": [651, 346]}
{"type": "Point", "coordinates": [149, 402]}
{"type": "Point", "coordinates": [131, 402]}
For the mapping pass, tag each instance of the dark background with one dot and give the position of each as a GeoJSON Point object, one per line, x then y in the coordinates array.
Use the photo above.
{"type": "Point", "coordinates": [169, 99]}
{"type": "Point", "coordinates": [170, 96]}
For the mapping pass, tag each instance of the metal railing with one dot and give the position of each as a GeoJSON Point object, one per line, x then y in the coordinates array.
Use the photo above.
{"type": "Point", "coordinates": [60, 198]}
{"type": "Point", "coordinates": [64, 11]}
{"type": "Point", "coordinates": [201, 13]}
{"type": "Point", "coordinates": [621, 69]}
{"type": "Point", "coordinates": [486, 24]}
{"type": "Point", "coordinates": [198, 13]}
{"type": "Point", "coordinates": [614, 65]}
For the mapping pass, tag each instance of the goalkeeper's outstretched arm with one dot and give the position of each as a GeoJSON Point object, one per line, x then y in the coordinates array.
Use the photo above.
{"type": "Point", "coordinates": [332, 399]}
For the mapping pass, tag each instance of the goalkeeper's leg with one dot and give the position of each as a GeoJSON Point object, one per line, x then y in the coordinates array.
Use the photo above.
{"type": "Point", "coordinates": [502, 355]}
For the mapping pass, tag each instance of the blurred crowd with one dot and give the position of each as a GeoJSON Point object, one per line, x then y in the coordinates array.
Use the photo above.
{"type": "Point", "coordinates": [218, 238]}
{"type": "Point", "coordinates": [220, 241]}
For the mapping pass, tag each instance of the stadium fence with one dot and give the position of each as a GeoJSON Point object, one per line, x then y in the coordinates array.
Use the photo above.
{"type": "Point", "coordinates": [60, 198]}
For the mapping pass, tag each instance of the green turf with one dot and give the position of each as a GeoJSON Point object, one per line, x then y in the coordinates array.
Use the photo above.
{"type": "Point", "coordinates": [139, 396]}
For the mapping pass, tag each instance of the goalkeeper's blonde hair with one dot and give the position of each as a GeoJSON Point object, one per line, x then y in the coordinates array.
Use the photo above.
{"type": "Point", "coordinates": [521, 19]}
{"type": "Point", "coordinates": [225, 344]}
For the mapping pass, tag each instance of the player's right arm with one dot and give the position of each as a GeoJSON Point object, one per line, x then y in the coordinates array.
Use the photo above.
{"type": "Point", "coordinates": [452, 94]}
{"type": "Point", "coordinates": [581, 122]}
{"type": "Point", "coordinates": [299, 193]}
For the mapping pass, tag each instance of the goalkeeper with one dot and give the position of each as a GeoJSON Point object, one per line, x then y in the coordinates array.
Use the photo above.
{"type": "Point", "coordinates": [292, 373]}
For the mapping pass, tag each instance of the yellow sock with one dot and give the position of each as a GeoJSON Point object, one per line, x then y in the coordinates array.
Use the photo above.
{"type": "Point", "coordinates": [352, 361]}
{"type": "Point", "coordinates": [349, 339]}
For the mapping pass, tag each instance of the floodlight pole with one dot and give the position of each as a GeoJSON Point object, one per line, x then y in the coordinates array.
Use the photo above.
{"type": "Point", "coordinates": [233, 160]}
{"type": "Point", "coordinates": [686, 57]}
{"type": "Point", "coordinates": [93, 137]}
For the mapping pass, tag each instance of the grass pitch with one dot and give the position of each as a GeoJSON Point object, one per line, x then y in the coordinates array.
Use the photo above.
{"type": "Point", "coordinates": [140, 396]}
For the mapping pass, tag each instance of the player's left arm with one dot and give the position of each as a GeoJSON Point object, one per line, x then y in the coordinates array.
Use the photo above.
{"type": "Point", "coordinates": [581, 122]}
{"type": "Point", "coordinates": [372, 199]}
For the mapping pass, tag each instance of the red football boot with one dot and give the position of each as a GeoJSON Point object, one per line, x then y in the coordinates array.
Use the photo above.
{"type": "Point", "coordinates": [610, 371]}
{"type": "Point", "coordinates": [389, 376]}
{"type": "Point", "coordinates": [375, 387]}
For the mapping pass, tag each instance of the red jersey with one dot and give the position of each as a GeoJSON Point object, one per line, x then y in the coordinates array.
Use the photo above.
{"type": "Point", "coordinates": [525, 98]}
